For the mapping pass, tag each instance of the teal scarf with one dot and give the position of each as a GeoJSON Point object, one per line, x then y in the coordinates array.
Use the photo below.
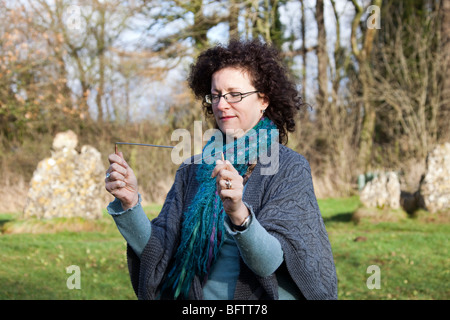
{"type": "Point", "coordinates": [203, 222]}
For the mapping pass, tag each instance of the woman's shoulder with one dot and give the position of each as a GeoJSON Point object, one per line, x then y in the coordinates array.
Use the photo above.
{"type": "Point", "coordinates": [289, 157]}
{"type": "Point", "coordinates": [282, 161]}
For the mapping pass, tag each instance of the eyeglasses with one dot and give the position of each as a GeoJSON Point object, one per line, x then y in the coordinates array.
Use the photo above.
{"type": "Point", "coordinates": [230, 97]}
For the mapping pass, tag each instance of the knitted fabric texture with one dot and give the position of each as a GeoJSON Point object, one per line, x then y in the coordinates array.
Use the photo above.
{"type": "Point", "coordinates": [203, 223]}
{"type": "Point", "coordinates": [284, 204]}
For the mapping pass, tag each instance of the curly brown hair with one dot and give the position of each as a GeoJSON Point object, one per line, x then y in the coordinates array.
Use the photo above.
{"type": "Point", "coordinates": [267, 73]}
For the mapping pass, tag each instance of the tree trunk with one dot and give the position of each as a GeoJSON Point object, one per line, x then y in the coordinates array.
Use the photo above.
{"type": "Point", "coordinates": [445, 27]}
{"type": "Point", "coordinates": [322, 58]}
{"type": "Point", "coordinates": [233, 19]}
{"type": "Point", "coordinates": [364, 76]}
{"type": "Point", "coordinates": [99, 35]}
{"type": "Point", "coordinates": [304, 50]}
{"type": "Point", "coordinates": [368, 119]}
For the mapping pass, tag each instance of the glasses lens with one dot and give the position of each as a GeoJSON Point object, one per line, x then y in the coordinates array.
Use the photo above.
{"type": "Point", "coordinates": [233, 97]}
{"type": "Point", "coordinates": [212, 98]}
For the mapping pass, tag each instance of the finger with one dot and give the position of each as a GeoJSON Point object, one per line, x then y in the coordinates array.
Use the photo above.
{"type": "Point", "coordinates": [114, 186]}
{"type": "Point", "coordinates": [230, 167]}
{"type": "Point", "coordinates": [235, 184]}
{"type": "Point", "coordinates": [118, 158]}
{"type": "Point", "coordinates": [116, 176]}
{"type": "Point", "coordinates": [124, 161]}
{"type": "Point", "coordinates": [223, 184]}
{"type": "Point", "coordinates": [115, 158]}
{"type": "Point", "coordinates": [118, 168]}
{"type": "Point", "coordinates": [219, 166]}
{"type": "Point", "coordinates": [229, 194]}
{"type": "Point", "coordinates": [224, 165]}
{"type": "Point", "coordinates": [225, 174]}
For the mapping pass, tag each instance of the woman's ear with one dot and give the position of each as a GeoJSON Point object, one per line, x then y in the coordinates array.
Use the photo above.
{"type": "Point", "coordinates": [265, 101]}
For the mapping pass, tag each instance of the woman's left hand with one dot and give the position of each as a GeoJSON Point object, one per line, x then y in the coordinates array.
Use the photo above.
{"type": "Point", "coordinates": [230, 192]}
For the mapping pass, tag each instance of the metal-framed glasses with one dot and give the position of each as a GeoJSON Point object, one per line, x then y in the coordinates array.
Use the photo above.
{"type": "Point", "coordinates": [230, 97]}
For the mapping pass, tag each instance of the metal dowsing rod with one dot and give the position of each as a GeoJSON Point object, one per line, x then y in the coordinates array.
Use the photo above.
{"type": "Point", "coordinates": [162, 146]}
{"type": "Point", "coordinates": [141, 144]}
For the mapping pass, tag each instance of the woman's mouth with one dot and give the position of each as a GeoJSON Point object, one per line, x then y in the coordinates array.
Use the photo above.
{"type": "Point", "coordinates": [225, 118]}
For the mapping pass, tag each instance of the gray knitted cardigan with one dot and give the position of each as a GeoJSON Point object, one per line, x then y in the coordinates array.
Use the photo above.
{"type": "Point", "coordinates": [285, 205]}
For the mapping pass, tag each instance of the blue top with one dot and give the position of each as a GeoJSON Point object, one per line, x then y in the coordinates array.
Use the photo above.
{"type": "Point", "coordinates": [260, 251]}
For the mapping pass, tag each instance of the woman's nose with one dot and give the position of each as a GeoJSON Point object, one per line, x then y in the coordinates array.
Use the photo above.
{"type": "Point", "coordinates": [222, 104]}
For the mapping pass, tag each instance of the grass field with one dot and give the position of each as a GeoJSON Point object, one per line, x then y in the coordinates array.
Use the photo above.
{"type": "Point", "coordinates": [412, 257]}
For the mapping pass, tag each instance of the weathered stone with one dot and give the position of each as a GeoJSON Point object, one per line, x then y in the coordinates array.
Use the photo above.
{"type": "Point", "coordinates": [67, 139]}
{"type": "Point", "coordinates": [435, 186]}
{"type": "Point", "coordinates": [68, 184]}
{"type": "Point", "coordinates": [382, 192]}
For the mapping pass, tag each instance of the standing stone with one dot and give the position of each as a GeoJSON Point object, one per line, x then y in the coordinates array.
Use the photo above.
{"type": "Point", "coordinates": [68, 184]}
{"type": "Point", "coordinates": [382, 192]}
{"type": "Point", "coordinates": [435, 186]}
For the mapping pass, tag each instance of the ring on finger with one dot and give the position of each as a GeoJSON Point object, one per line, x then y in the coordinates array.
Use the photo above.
{"type": "Point", "coordinates": [108, 175]}
{"type": "Point", "coordinates": [228, 184]}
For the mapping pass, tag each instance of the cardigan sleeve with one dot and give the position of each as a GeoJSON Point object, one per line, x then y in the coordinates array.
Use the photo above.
{"type": "Point", "coordinates": [133, 224]}
{"type": "Point", "coordinates": [260, 250]}
{"type": "Point", "coordinates": [147, 272]}
{"type": "Point", "coordinates": [289, 211]}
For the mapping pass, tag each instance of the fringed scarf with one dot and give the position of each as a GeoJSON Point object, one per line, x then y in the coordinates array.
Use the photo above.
{"type": "Point", "coordinates": [203, 223]}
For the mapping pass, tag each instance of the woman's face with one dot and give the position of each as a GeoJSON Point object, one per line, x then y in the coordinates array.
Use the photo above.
{"type": "Point", "coordinates": [235, 119]}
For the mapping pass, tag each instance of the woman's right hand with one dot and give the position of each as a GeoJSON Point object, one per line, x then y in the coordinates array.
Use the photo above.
{"type": "Point", "coordinates": [121, 181]}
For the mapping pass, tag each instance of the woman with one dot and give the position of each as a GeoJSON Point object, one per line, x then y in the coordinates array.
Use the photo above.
{"type": "Point", "coordinates": [232, 229]}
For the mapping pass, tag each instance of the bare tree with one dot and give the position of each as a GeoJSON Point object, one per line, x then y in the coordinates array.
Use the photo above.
{"type": "Point", "coordinates": [409, 78]}
{"type": "Point", "coordinates": [362, 49]}
{"type": "Point", "coordinates": [445, 41]}
{"type": "Point", "coordinates": [322, 58]}
{"type": "Point", "coordinates": [233, 19]}
{"type": "Point", "coordinates": [34, 93]}
{"type": "Point", "coordinates": [193, 24]}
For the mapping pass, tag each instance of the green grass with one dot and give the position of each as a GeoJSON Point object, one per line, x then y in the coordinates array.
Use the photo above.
{"type": "Point", "coordinates": [412, 256]}
{"type": "Point", "coordinates": [34, 265]}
